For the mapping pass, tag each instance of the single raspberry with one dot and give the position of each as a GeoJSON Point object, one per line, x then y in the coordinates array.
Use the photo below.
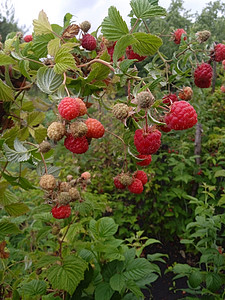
{"type": "Point", "coordinates": [146, 160]}
{"type": "Point", "coordinates": [95, 128]}
{"type": "Point", "coordinates": [28, 38]}
{"type": "Point", "coordinates": [132, 55]}
{"type": "Point", "coordinates": [219, 52]}
{"type": "Point", "coordinates": [170, 98]}
{"type": "Point", "coordinates": [147, 142]}
{"type": "Point", "coordinates": [141, 175]}
{"type": "Point", "coordinates": [64, 186]}
{"type": "Point", "coordinates": [88, 42]}
{"type": "Point", "coordinates": [74, 193]}
{"type": "Point", "coordinates": [83, 108]}
{"type": "Point", "coordinates": [47, 182]}
{"type": "Point", "coordinates": [78, 145]}
{"type": "Point", "coordinates": [203, 36]}
{"type": "Point", "coordinates": [120, 111]}
{"type": "Point", "coordinates": [56, 131]}
{"type": "Point", "coordinates": [223, 62]}
{"type": "Point", "coordinates": [125, 179]}
{"type": "Point", "coordinates": [136, 186]}
{"type": "Point", "coordinates": [44, 147]}
{"type": "Point", "coordinates": [164, 128]}
{"type": "Point", "coordinates": [69, 108]}
{"type": "Point", "coordinates": [182, 116]}
{"type": "Point", "coordinates": [69, 177]}
{"type": "Point", "coordinates": [176, 36]}
{"type": "Point", "coordinates": [86, 175]}
{"type": "Point", "coordinates": [85, 26]}
{"type": "Point", "coordinates": [222, 88]}
{"type": "Point", "coordinates": [145, 99]}
{"type": "Point", "coordinates": [203, 75]}
{"type": "Point", "coordinates": [64, 198]}
{"type": "Point", "coordinates": [118, 184]}
{"type": "Point", "coordinates": [78, 129]}
{"type": "Point", "coordinates": [186, 93]}
{"type": "Point", "coordinates": [61, 212]}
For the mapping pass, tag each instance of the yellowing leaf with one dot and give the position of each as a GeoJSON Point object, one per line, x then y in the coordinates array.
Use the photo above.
{"type": "Point", "coordinates": [53, 46]}
{"type": "Point", "coordinates": [42, 25]}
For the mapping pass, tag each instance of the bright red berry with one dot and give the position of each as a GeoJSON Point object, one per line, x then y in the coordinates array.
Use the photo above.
{"type": "Point", "coordinates": [147, 142]}
{"type": "Point", "coordinates": [203, 75]}
{"type": "Point", "coordinates": [88, 42]}
{"type": "Point", "coordinates": [177, 35]}
{"type": "Point", "coordinates": [181, 116]}
{"type": "Point", "coordinates": [95, 128]}
{"type": "Point", "coordinates": [132, 55]}
{"type": "Point", "coordinates": [118, 184]}
{"type": "Point", "coordinates": [76, 145]}
{"type": "Point", "coordinates": [219, 52]}
{"type": "Point", "coordinates": [28, 38]}
{"type": "Point", "coordinates": [167, 99]}
{"type": "Point", "coordinates": [61, 212]}
{"type": "Point", "coordinates": [146, 160]}
{"type": "Point", "coordinates": [136, 186]}
{"type": "Point", "coordinates": [141, 175]}
{"type": "Point", "coordinates": [69, 108]}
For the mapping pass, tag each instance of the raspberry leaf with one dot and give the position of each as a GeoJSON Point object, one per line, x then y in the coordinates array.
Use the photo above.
{"type": "Point", "coordinates": [48, 81]}
{"type": "Point", "coordinates": [40, 43]}
{"type": "Point", "coordinates": [16, 209]}
{"type": "Point", "coordinates": [146, 44]}
{"type": "Point", "coordinates": [6, 60]}
{"type": "Point", "coordinates": [34, 288]}
{"type": "Point", "coordinates": [53, 46]}
{"type": "Point", "coordinates": [6, 93]}
{"type": "Point", "coordinates": [144, 9]}
{"type": "Point", "coordinates": [42, 25]}
{"type": "Point", "coordinates": [121, 46]}
{"type": "Point", "coordinates": [64, 61]}
{"type": "Point", "coordinates": [113, 26]}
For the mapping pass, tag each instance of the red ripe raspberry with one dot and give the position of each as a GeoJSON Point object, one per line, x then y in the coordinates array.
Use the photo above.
{"type": "Point", "coordinates": [170, 98]}
{"type": "Point", "coordinates": [132, 55]}
{"type": "Point", "coordinates": [76, 145]}
{"type": "Point", "coordinates": [164, 128]}
{"type": "Point", "coordinates": [182, 116]}
{"type": "Point", "coordinates": [61, 212]}
{"type": "Point", "coordinates": [136, 186]}
{"type": "Point", "coordinates": [141, 175]}
{"type": "Point", "coordinates": [177, 35]}
{"type": "Point", "coordinates": [146, 160]}
{"type": "Point", "coordinates": [203, 76]}
{"type": "Point", "coordinates": [118, 184]}
{"type": "Point", "coordinates": [69, 108]}
{"type": "Point", "coordinates": [223, 62]}
{"type": "Point", "coordinates": [219, 52]}
{"type": "Point", "coordinates": [28, 38]}
{"type": "Point", "coordinates": [147, 142]}
{"type": "Point", "coordinates": [88, 42]}
{"type": "Point", "coordinates": [95, 128]}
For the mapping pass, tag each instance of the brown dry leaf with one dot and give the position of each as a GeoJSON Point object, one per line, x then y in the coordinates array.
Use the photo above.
{"type": "Point", "coordinates": [3, 254]}
{"type": "Point", "coordinates": [70, 31]}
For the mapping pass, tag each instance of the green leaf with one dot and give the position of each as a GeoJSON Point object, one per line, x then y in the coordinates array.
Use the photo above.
{"type": "Point", "coordinates": [144, 9]}
{"type": "Point", "coordinates": [103, 291]}
{"type": "Point", "coordinates": [42, 25]}
{"type": "Point", "coordinates": [40, 133]}
{"type": "Point", "coordinates": [137, 269]}
{"type": "Point", "coordinates": [6, 93]}
{"type": "Point", "coordinates": [16, 209]}
{"type": "Point", "coordinates": [7, 197]}
{"type": "Point", "coordinates": [46, 260]}
{"type": "Point", "coordinates": [195, 279]}
{"type": "Point", "coordinates": [35, 118]}
{"type": "Point", "coordinates": [64, 60]}
{"type": "Point", "coordinates": [182, 269]}
{"type": "Point", "coordinates": [53, 46]}
{"type": "Point", "coordinates": [48, 81]}
{"type": "Point", "coordinates": [68, 275]}
{"type": "Point", "coordinates": [19, 154]}
{"type": "Point", "coordinates": [67, 19]}
{"type": "Point", "coordinates": [220, 173]}
{"type": "Point", "coordinates": [121, 46]}
{"type": "Point", "coordinates": [146, 44]}
{"type": "Point", "coordinates": [99, 71]}
{"type": "Point", "coordinates": [6, 60]}
{"type": "Point", "coordinates": [134, 288]}
{"type": "Point", "coordinates": [104, 227]}
{"type": "Point", "coordinates": [213, 282]}
{"type": "Point", "coordinates": [117, 282]}
{"type": "Point", "coordinates": [40, 44]}
{"type": "Point", "coordinates": [113, 26]}
{"type": "Point", "coordinates": [24, 68]}
{"type": "Point", "coordinates": [34, 288]}
{"type": "Point", "coordinates": [7, 227]}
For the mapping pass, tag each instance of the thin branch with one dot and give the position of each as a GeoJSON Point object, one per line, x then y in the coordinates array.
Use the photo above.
{"type": "Point", "coordinates": [97, 60]}
{"type": "Point", "coordinates": [135, 24]}
{"type": "Point", "coordinates": [64, 83]}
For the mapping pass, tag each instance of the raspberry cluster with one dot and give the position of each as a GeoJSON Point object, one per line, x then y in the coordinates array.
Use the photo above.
{"type": "Point", "coordinates": [134, 182]}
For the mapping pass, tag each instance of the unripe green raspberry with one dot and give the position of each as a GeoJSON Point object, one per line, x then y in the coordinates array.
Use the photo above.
{"type": "Point", "coordinates": [47, 182]}
{"type": "Point", "coordinates": [56, 131]}
{"type": "Point", "coordinates": [44, 147]}
{"type": "Point", "coordinates": [125, 179]}
{"type": "Point", "coordinates": [203, 36]}
{"type": "Point", "coordinates": [85, 26]}
{"type": "Point", "coordinates": [120, 111]}
{"type": "Point", "coordinates": [145, 99]}
{"type": "Point", "coordinates": [78, 129]}
{"type": "Point", "coordinates": [74, 194]}
{"type": "Point", "coordinates": [55, 230]}
{"type": "Point", "coordinates": [64, 198]}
